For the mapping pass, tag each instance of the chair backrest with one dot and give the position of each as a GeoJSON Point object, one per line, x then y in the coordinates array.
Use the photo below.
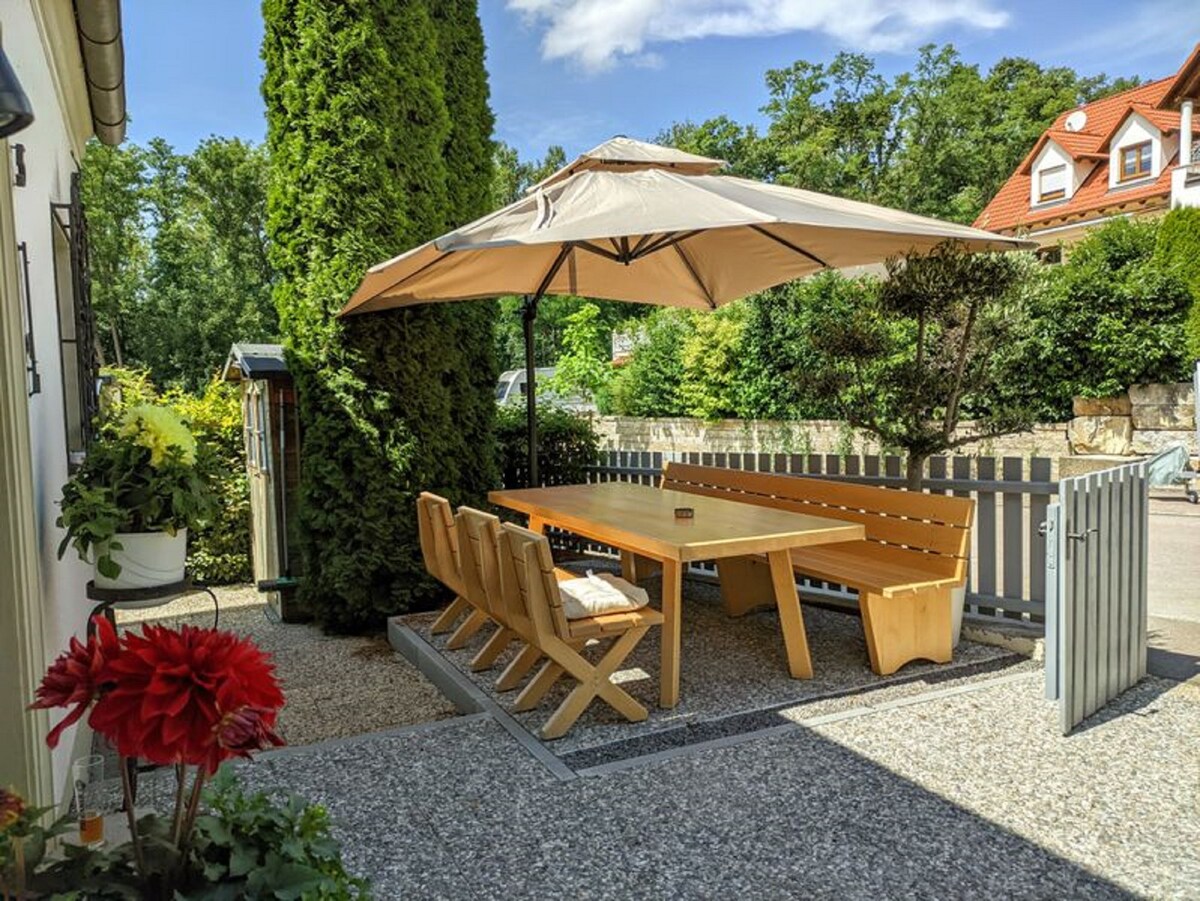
{"type": "Point", "coordinates": [439, 540]}
{"type": "Point", "coordinates": [479, 554]}
{"type": "Point", "coordinates": [530, 582]}
{"type": "Point", "coordinates": [936, 525]}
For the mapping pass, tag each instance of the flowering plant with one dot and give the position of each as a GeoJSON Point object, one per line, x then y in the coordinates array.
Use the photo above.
{"type": "Point", "coordinates": [189, 698]}
{"type": "Point", "coordinates": [22, 841]}
{"type": "Point", "coordinates": [141, 475]}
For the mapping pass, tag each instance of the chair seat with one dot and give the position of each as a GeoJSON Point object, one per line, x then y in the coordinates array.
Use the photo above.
{"type": "Point", "coordinates": [612, 623]}
{"type": "Point", "coordinates": [874, 567]}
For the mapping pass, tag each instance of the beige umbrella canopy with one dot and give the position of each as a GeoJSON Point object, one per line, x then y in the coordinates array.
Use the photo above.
{"type": "Point", "coordinates": [633, 221]}
{"type": "Point", "coordinates": [638, 222]}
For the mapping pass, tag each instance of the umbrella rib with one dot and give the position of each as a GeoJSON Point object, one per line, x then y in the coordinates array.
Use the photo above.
{"type": "Point", "coordinates": [668, 240]}
{"type": "Point", "coordinates": [642, 242]}
{"type": "Point", "coordinates": [598, 250]}
{"type": "Point", "coordinates": [553, 270]}
{"type": "Point", "coordinates": [789, 245]}
{"type": "Point", "coordinates": [695, 275]}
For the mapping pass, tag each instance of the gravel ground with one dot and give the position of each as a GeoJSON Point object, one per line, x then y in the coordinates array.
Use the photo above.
{"type": "Point", "coordinates": [973, 795]}
{"type": "Point", "coordinates": [334, 686]}
{"type": "Point", "coordinates": [729, 667]}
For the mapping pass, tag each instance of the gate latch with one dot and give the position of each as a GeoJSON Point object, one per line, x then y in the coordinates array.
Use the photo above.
{"type": "Point", "coordinates": [1082, 536]}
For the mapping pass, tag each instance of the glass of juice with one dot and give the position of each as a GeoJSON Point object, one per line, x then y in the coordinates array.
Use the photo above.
{"type": "Point", "coordinates": [88, 773]}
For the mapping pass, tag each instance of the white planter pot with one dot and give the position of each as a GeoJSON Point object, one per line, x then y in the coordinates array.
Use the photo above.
{"type": "Point", "coordinates": [147, 559]}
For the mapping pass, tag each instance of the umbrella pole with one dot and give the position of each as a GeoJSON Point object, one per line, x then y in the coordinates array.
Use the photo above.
{"type": "Point", "coordinates": [528, 315]}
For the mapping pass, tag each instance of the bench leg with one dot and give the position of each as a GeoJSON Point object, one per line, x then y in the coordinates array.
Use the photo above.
{"type": "Point", "coordinates": [518, 668]}
{"type": "Point", "coordinates": [635, 567]}
{"type": "Point", "coordinates": [745, 584]}
{"type": "Point", "coordinates": [445, 620]}
{"type": "Point", "coordinates": [466, 630]}
{"type": "Point", "coordinates": [493, 648]}
{"type": "Point", "coordinates": [914, 626]}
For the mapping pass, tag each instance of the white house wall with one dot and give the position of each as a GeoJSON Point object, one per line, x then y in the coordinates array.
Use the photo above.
{"type": "Point", "coordinates": [1050, 156]}
{"type": "Point", "coordinates": [49, 163]}
{"type": "Point", "coordinates": [1135, 130]}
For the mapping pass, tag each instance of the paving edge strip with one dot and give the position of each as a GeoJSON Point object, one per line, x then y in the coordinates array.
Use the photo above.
{"type": "Point", "coordinates": [729, 741]}
{"type": "Point", "coordinates": [465, 694]}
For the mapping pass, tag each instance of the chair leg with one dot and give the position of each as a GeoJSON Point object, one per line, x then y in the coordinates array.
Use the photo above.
{"type": "Point", "coordinates": [445, 620]}
{"type": "Point", "coordinates": [467, 630]}
{"type": "Point", "coordinates": [596, 682]}
{"type": "Point", "coordinates": [518, 668]}
{"type": "Point", "coordinates": [533, 693]}
{"type": "Point", "coordinates": [905, 628]}
{"type": "Point", "coordinates": [491, 651]}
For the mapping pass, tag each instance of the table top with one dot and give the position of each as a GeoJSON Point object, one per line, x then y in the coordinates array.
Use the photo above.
{"type": "Point", "coordinates": [642, 519]}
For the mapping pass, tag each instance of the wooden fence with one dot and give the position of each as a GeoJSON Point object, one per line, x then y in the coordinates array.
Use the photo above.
{"type": "Point", "coordinates": [1098, 533]}
{"type": "Point", "coordinates": [1008, 554]}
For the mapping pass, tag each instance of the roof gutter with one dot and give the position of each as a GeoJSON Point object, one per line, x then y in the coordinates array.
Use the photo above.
{"type": "Point", "coordinates": [99, 25]}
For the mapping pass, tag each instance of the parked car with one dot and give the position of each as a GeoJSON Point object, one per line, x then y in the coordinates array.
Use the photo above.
{"type": "Point", "coordinates": [511, 388]}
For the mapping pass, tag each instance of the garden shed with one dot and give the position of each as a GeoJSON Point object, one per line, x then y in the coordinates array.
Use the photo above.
{"type": "Point", "coordinates": [271, 430]}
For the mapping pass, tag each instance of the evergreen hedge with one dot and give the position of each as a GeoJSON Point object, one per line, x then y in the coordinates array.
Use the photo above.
{"type": "Point", "coordinates": [1179, 248]}
{"type": "Point", "coordinates": [364, 100]}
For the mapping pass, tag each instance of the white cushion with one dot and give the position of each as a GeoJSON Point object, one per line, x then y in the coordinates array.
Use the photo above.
{"type": "Point", "coordinates": [597, 594]}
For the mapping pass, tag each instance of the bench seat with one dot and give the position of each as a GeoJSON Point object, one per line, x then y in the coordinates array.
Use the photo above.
{"type": "Point", "coordinates": [905, 570]}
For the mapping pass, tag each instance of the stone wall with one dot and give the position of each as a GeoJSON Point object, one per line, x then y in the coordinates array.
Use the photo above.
{"type": "Point", "coordinates": [799, 437]}
{"type": "Point", "coordinates": [1144, 420]}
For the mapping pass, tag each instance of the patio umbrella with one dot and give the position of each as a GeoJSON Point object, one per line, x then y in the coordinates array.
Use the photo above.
{"type": "Point", "coordinates": [637, 222]}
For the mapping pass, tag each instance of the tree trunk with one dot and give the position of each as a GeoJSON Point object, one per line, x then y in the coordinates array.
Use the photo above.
{"type": "Point", "coordinates": [914, 470]}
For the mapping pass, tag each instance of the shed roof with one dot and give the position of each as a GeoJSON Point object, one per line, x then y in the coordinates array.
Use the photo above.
{"type": "Point", "coordinates": [254, 361]}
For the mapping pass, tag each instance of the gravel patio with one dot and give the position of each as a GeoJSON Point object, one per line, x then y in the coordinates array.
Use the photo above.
{"type": "Point", "coordinates": [936, 782]}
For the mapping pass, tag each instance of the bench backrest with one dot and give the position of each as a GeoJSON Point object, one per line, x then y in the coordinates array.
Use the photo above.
{"type": "Point", "coordinates": [479, 553]}
{"type": "Point", "coordinates": [439, 542]}
{"type": "Point", "coordinates": [935, 525]}
{"type": "Point", "coordinates": [529, 580]}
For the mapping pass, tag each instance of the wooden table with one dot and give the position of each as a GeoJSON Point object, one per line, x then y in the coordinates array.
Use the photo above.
{"type": "Point", "coordinates": [641, 520]}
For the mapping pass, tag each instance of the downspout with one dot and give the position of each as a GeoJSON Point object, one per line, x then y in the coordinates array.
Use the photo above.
{"type": "Point", "coordinates": [1185, 133]}
{"type": "Point", "coordinates": [99, 25]}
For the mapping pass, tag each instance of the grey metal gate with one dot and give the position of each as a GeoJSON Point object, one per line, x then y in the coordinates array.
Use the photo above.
{"type": "Point", "coordinates": [1096, 567]}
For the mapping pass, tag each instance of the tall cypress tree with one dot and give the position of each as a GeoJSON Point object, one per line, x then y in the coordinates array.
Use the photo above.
{"type": "Point", "coordinates": [357, 126]}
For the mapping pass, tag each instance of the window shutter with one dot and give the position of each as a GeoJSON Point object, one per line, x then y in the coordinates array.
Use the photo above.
{"type": "Point", "coordinates": [1053, 181]}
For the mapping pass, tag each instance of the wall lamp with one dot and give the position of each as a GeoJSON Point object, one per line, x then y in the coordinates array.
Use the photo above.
{"type": "Point", "coordinates": [15, 111]}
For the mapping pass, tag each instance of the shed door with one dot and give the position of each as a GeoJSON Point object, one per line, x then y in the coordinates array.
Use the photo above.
{"type": "Point", "coordinates": [264, 527]}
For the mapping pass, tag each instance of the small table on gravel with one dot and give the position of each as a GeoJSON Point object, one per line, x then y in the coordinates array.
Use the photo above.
{"type": "Point", "coordinates": [641, 520]}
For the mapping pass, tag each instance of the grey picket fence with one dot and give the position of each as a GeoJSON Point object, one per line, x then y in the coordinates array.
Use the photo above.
{"type": "Point", "coordinates": [1098, 535]}
{"type": "Point", "coordinates": [1008, 555]}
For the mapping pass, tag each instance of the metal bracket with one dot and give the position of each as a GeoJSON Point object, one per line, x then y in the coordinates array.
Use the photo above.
{"type": "Point", "coordinates": [1082, 536]}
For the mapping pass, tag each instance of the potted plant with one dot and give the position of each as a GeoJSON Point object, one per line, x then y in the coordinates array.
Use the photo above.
{"type": "Point", "coordinates": [189, 699]}
{"type": "Point", "coordinates": [128, 507]}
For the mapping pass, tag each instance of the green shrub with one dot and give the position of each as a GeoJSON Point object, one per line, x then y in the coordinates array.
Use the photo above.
{"type": "Point", "coordinates": [219, 550]}
{"type": "Point", "coordinates": [567, 445]}
{"type": "Point", "coordinates": [710, 354]}
{"type": "Point", "coordinates": [1178, 250]}
{"type": "Point", "coordinates": [649, 383]}
{"type": "Point", "coordinates": [1111, 316]}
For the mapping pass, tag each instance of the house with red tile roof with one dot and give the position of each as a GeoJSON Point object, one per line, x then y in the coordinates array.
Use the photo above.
{"type": "Point", "coordinates": [1134, 153]}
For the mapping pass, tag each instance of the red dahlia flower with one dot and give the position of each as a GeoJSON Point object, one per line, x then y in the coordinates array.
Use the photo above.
{"type": "Point", "coordinates": [173, 690]}
{"type": "Point", "coordinates": [76, 676]}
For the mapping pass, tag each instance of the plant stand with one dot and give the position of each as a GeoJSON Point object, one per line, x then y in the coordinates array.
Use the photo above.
{"type": "Point", "coordinates": [110, 600]}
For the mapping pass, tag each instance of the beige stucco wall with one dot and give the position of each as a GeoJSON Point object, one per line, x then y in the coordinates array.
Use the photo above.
{"type": "Point", "coordinates": [40, 41]}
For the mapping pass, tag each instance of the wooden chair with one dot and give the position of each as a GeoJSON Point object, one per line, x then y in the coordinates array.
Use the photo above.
{"type": "Point", "coordinates": [479, 551]}
{"type": "Point", "coordinates": [439, 549]}
{"type": "Point", "coordinates": [534, 603]}
{"type": "Point", "coordinates": [915, 553]}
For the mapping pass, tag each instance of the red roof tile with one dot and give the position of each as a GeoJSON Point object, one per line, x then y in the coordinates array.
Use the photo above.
{"type": "Point", "coordinates": [1010, 208]}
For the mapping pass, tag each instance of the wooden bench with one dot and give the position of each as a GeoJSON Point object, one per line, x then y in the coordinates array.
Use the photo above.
{"type": "Point", "coordinates": [914, 555]}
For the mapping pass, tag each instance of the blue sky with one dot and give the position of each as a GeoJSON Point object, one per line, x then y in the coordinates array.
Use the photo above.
{"type": "Point", "coordinates": [575, 72]}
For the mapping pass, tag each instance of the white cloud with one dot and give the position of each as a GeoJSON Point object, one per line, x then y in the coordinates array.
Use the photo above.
{"type": "Point", "coordinates": [598, 33]}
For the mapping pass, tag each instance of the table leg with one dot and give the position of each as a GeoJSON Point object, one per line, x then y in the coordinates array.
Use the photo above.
{"type": "Point", "coordinates": [537, 524]}
{"type": "Point", "coordinates": [790, 619]}
{"type": "Point", "coordinates": [672, 590]}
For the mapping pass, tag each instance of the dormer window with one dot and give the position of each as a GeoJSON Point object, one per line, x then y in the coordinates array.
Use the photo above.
{"type": "Point", "coordinates": [1135, 161]}
{"type": "Point", "coordinates": [1052, 183]}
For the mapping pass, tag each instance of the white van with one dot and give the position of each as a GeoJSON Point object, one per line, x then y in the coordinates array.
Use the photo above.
{"type": "Point", "coordinates": [511, 388]}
